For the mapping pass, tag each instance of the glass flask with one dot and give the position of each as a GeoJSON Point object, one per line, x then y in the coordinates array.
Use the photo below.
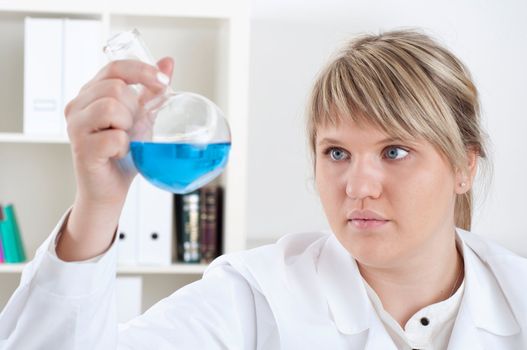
{"type": "Point", "coordinates": [182, 139]}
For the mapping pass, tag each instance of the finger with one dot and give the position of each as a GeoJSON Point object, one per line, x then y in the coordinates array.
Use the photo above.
{"type": "Point", "coordinates": [134, 72]}
{"type": "Point", "coordinates": [166, 65]}
{"type": "Point", "coordinates": [105, 113]}
{"type": "Point", "coordinates": [113, 88]}
{"type": "Point", "coordinates": [111, 143]}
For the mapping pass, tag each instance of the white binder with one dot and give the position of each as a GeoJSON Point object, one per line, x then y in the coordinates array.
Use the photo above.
{"type": "Point", "coordinates": [128, 230]}
{"type": "Point", "coordinates": [128, 291]}
{"type": "Point", "coordinates": [42, 76]}
{"type": "Point", "coordinates": [83, 57]}
{"type": "Point", "coordinates": [155, 225]}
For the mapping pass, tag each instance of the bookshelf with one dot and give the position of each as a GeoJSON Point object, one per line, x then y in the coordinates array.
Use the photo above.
{"type": "Point", "coordinates": [13, 137]}
{"type": "Point", "coordinates": [174, 269]}
{"type": "Point", "coordinates": [208, 40]}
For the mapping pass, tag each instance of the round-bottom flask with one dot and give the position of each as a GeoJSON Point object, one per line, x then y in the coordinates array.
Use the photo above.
{"type": "Point", "coordinates": [181, 140]}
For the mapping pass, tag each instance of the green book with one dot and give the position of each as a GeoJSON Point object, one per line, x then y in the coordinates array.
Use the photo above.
{"type": "Point", "coordinates": [2, 255]}
{"type": "Point", "coordinates": [11, 239]}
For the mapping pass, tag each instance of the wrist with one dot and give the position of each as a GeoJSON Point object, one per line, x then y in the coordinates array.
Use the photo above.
{"type": "Point", "coordinates": [88, 231]}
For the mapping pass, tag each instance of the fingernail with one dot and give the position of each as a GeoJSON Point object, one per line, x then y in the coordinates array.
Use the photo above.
{"type": "Point", "coordinates": [162, 78]}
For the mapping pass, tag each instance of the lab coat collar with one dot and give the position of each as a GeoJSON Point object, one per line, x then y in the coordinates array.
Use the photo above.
{"type": "Point", "coordinates": [465, 333]}
{"type": "Point", "coordinates": [486, 303]}
{"type": "Point", "coordinates": [483, 305]}
{"type": "Point", "coordinates": [347, 299]}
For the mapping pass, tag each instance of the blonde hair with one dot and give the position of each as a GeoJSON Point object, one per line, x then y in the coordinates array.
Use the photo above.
{"type": "Point", "coordinates": [409, 86]}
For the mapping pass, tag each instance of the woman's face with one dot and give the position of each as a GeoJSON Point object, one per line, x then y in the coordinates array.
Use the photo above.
{"type": "Point", "coordinates": [407, 185]}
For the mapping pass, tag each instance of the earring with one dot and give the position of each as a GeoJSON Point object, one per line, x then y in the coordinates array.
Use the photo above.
{"type": "Point", "coordinates": [463, 184]}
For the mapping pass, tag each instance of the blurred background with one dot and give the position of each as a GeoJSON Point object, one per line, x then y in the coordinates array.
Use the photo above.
{"type": "Point", "coordinates": [290, 41]}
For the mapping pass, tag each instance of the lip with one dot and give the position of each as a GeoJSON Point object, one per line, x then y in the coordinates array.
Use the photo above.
{"type": "Point", "coordinates": [365, 215]}
{"type": "Point", "coordinates": [367, 224]}
{"type": "Point", "coordinates": [366, 219]}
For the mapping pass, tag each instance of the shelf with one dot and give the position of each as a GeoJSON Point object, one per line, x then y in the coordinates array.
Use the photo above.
{"type": "Point", "coordinates": [52, 7]}
{"type": "Point", "coordinates": [188, 9]}
{"type": "Point", "coordinates": [11, 268]}
{"type": "Point", "coordinates": [22, 138]}
{"type": "Point", "coordinates": [195, 8]}
{"type": "Point", "coordinates": [175, 269]}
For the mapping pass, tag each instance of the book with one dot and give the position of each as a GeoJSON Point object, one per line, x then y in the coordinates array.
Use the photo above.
{"type": "Point", "coordinates": [13, 247]}
{"type": "Point", "coordinates": [199, 224]}
{"type": "Point", "coordinates": [1, 246]}
{"type": "Point", "coordinates": [187, 227]}
{"type": "Point", "coordinates": [210, 223]}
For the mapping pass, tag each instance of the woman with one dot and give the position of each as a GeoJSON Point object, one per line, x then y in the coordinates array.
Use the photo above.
{"type": "Point", "coordinates": [394, 129]}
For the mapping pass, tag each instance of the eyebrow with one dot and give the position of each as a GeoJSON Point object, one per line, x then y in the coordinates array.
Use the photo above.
{"type": "Point", "coordinates": [329, 140]}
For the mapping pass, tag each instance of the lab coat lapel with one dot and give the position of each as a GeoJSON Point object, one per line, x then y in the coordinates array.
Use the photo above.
{"type": "Point", "coordinates": [465, 334]}
{"type": "Point", "coordinates": [341, 283]}
{"type": "Point", "coordinates": [484, 296]}
{"type": "Point", "coordinates": [347, 299]}
{"type": "Point", "coordinates": [484, 307]}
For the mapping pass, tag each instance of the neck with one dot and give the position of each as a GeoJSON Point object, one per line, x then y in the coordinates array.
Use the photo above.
{"type": "Point", "coordinates": [431, 277]}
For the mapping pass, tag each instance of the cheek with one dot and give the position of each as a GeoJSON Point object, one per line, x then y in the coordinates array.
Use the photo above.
{"type": "Point", "coordinates": [330, 189]}
{"type": "Point", "coordinates": [422, 199]}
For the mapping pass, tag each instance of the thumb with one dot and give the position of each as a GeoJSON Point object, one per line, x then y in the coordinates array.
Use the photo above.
{"type": "Point", "coordinates": [166, 65]}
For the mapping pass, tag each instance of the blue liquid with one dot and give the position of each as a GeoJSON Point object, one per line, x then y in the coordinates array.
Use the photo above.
{"type": "Point", "coordinates": [179, 167]}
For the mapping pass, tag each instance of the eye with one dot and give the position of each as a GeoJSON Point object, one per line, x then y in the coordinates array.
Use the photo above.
{"type": "Point", "coordinates": [335, 154]}
{"type": "Point", "coordinates": [395, 153]}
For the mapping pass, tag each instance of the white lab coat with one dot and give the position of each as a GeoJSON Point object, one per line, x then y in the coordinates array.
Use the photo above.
{"type": "Point", "coordinates": [304, 292]}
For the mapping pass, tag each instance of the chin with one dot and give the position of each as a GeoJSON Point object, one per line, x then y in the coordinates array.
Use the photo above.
{"type": "Point", "coordinates": [369, 247]}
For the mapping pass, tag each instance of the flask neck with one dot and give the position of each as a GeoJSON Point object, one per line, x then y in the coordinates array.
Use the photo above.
{"type": "Point", "coordinates": [128, 45]}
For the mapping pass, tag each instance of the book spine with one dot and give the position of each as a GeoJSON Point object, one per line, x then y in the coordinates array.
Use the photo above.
{"type": "Point", "coordinates": [192, 228]}
{"type": "Point", "coordinates": [11, 218]}
{"type": "Point", "coordinates": [205, 234]}
{"type": "Point", "coordinates": [187, 227]}
{"type": "Point", "coordinates": [11, 239]}
{"type": "Point", "coordinates": [209, 225]}
{"type": "Point", "coordinates": [219, 221]}
{"type": "Point", "coordinates": [7, 238]}
{"type": "Point", "coordinates": [1, 245]}
{"type": "Point", "coordinates": [178, 215]}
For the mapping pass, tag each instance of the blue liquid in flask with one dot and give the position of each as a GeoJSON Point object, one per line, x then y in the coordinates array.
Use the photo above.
{"type": "Point", "coordinates": [179, 167]}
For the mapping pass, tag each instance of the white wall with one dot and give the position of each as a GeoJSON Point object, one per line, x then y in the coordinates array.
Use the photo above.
{"type": "Point", "coordinates": [291, 40]}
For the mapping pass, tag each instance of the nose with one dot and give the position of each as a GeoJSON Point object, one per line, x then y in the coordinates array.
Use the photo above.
{"type": "Point", "coordinates": [363, 180]}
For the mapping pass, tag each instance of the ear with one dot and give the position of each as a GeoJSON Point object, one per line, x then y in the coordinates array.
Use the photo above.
{"type": "Point", "coordinates": [465, 177]}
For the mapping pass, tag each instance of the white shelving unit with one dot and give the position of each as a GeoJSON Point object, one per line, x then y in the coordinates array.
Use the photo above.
{"type": "Point", "coordinates": [208, 40]}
